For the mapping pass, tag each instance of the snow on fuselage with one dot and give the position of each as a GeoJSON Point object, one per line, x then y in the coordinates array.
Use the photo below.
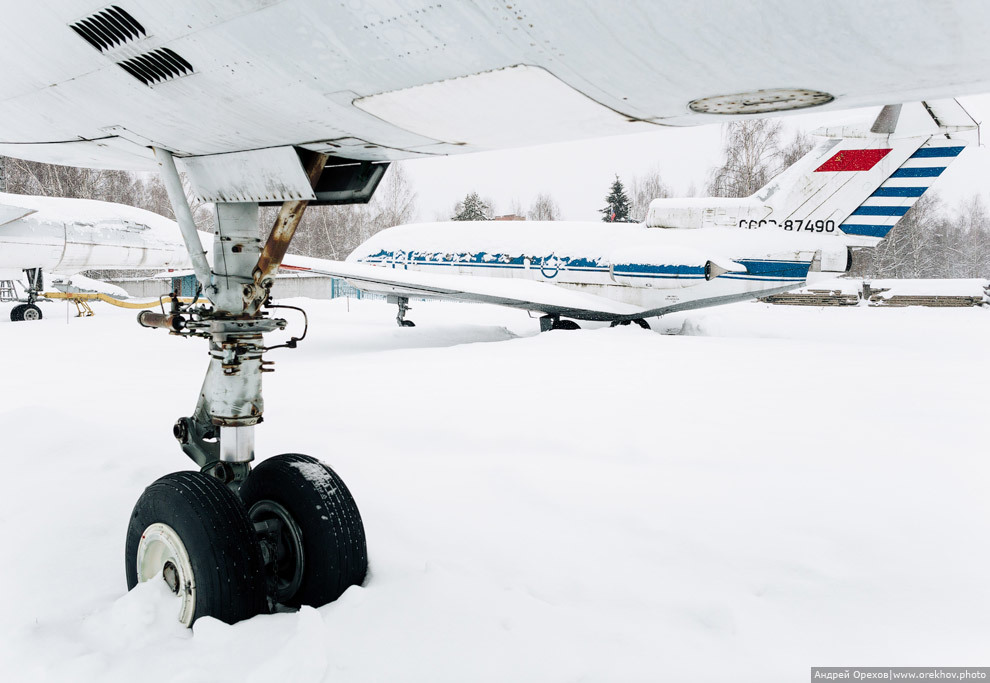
{"type": "Point", "coordinates": [66, 236]}
{"type": "Point", "coordinates": [646, 267]}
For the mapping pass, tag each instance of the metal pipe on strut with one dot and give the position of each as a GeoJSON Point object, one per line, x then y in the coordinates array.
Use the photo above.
{"type": "Point", "coordinates": [277, 244]}
{"type": "Point", "coordinates": [183, 216]}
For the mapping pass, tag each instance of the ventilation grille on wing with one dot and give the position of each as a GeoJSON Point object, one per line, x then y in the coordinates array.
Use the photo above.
{"type": "Point", "coordinates": [156, 66]}
{"type": "Point", "coordinates": [109, 28]}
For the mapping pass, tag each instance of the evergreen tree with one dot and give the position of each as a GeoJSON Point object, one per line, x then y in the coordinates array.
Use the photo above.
{"type": "Point", "coordinates": [617, 204]}
{"type": "Point", "coordinates": [473, 208]}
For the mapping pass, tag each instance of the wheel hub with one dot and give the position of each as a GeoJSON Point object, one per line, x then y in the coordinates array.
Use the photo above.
{"type": "Point", "coordinates": [161, 551]}
{"type": "Point", "coordinates": [171, 576]}
{"type": "Point", "coordinates": [287, 559]}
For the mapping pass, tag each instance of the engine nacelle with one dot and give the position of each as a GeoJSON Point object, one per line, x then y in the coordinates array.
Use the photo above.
{"type": "Point", "coordinates": [836, 259]}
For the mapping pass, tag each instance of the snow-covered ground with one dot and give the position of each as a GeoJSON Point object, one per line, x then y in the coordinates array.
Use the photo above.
{"type": "Point", "coordinates": [772, 489]}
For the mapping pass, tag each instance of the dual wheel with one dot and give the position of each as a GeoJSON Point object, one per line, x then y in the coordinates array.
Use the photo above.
{"type": "Point", "coordinates": [291, 536]}
{"type": "Point", "coordinates": [639, 321]}
{"type": "Point", "coordinates": [25, 312]}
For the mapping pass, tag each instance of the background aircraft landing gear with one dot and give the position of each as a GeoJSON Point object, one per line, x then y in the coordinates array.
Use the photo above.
{"type": "Point", "coordinates": [639, 321]}
{"type": "Point", "coordinates": [403, 303]}
{"type": "Point", "coordinates": [553, 322]}
{"type": "Point", "coordinates": [28, 312]}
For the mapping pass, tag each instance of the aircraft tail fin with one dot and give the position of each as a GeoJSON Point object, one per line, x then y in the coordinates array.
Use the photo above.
{"type": "Point", "coordinates": [859, 182]}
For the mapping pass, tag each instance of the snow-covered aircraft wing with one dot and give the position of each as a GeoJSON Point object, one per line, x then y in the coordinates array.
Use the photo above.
{"type": "Point", "coordinates": [10, 213]}
{"type": "Point", "coordinates": [526, 294]}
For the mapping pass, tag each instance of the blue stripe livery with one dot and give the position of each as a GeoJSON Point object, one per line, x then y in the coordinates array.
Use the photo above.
{"type": "Point", "coordinates": [928, 152]}
{"type": "Point", "coordinates": [881, 211]}
{"type": "Point", "coordinates": [774, 269]}
{"type": "Point", "coordinates": [648, 270]}
{"type": "Point", "coordinates": [927, 172]}
{"type": "Point", "coordinates": [549, 266]}
{"type": "Point", "coordinates": [899, 192]}
{"type": "Point", "coordinates": [865, 230]}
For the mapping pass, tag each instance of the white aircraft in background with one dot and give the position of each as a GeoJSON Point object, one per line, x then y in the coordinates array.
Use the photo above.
{"type": "Point", "coordinates": [63, 237]}
{"type": "Point", "coordinates": [304, 101]}
{"type": "Point", "coordinates": [847, 192]}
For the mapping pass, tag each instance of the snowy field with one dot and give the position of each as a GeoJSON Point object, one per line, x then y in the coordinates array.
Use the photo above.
{"type": "Point", "coordinates": [771, 489]}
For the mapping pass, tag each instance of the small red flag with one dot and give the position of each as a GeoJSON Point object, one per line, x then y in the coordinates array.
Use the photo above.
{"type": "Point", "coordinates": [853, 160]}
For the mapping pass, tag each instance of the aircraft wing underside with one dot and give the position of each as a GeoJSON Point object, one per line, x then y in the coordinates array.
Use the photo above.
{"type": "Point", "coordinates": [528, 295]}
{"type": "Point", "coordinates": [381, 80]}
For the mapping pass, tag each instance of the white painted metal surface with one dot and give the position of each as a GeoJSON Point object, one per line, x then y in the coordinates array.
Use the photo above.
{"type": "Point", "coordinates": [67, 236]}
{"type": "Point", "coordinates": [269, 74]}
{"type": "Point", "coordinates": [264, 175]}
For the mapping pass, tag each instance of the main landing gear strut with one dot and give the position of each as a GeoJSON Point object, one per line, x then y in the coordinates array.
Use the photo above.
{"type": "Point", "coordinates": [234, 542]}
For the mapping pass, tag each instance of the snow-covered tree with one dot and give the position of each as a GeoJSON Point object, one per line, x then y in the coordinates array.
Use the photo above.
{"type": "Point", "coordinates": [617, 204]}
{"type": "Point", "coordinates": [472, 208]}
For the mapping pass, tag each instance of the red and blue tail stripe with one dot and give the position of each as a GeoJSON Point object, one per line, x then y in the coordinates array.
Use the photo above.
{"type": "Point", "coordinates": [876, 216]}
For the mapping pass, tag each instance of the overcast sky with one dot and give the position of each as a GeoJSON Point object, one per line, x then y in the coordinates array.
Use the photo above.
{"type": "Point", "coordinates": [578, 174]}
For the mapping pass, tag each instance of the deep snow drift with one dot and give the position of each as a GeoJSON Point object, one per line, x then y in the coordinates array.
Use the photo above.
{"type": "Point", "coordinates": [774, 488]}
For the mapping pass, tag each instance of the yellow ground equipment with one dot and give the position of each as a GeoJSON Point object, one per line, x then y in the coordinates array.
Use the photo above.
{"type": "Point", "coordinates": [82, 299]}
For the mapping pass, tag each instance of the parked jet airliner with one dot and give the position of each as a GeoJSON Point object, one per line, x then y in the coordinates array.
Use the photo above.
{"type": "Point", "coordinates": [847, 192]}
{"type": "Point", "coordinates": [63, 237]}
{"type": "Point", "coordinates": [297, 101]}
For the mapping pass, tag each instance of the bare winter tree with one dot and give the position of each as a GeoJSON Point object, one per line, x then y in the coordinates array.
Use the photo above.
{"type": "Point", "coordinates": [799, 145]}
{"type": "Point", "coordinates": [752, 158]}
{"type": "Point", "coordinates": [911, 249]}
{"type": "Point", "coordinates": [394, 202]}
{"type": "Point", "coordinates": [335, 231]}
{"type": "Point", "coordinates": [644, 190]}
{"type": "Point", "coordinates": [968, 239]}
{"type": "Point", "coordinates": [544, 208]}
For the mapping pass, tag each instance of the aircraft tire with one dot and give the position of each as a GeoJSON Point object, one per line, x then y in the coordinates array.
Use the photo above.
{"type": "Point", "coordinates": [31, 313]}
{"type": "Point", "coordinates": [16, 313]}
{"type": "Point", "coordinates": [332, 554]}
{"type": "Point", "coordinates": [192, 531]}
{"type": "Point", "coordinates": [566, 325]}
